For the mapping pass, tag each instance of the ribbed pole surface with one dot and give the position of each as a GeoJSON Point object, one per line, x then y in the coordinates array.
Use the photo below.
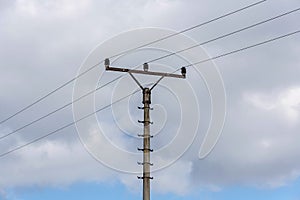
{"type": "Point", "coordinates": [146, 153]}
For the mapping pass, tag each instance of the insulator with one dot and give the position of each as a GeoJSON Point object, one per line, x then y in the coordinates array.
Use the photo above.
{"type": "Point", "coordinates": [106, 62]}
{"type": "Point", "coordinates": [146, 67]}
{"type": "Point", "coordinates": [183, 71]}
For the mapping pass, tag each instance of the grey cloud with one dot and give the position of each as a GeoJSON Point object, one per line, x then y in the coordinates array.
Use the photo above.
{"type": "Point", "coordinates": [39, 52]}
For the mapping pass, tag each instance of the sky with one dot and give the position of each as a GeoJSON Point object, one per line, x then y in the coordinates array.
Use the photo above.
{"type": "Point", "coordinates": [46, 43]}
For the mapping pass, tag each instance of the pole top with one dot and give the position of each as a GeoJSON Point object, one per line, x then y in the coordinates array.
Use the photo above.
{"type": "Point", "coordinates": [145, 70]}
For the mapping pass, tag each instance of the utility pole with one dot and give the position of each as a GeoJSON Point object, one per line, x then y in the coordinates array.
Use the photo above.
{"type": "Point", "coordinates": [146, 107]}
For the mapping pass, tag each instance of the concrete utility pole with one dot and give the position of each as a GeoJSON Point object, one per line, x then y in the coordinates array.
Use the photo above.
{"type": "Point", "coordinates": [146, 102]}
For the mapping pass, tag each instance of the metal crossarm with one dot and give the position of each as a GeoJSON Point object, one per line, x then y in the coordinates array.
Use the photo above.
{"type": "Point", "coordinates": [145, 71]}
{"type": "Point", "coordinates": [153, 73]}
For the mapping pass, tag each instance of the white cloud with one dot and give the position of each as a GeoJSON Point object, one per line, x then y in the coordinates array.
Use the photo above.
{"type": "Point", "coordinates": [259, 145]}
{"type": "Point", "coordinates": [54, 8]}
{"type": "Point", "coordinates": [179, 173]}
{"type": "Point", "coordinates": [285, 103]}
{"type": "Point", "coordinates": [50, 163]}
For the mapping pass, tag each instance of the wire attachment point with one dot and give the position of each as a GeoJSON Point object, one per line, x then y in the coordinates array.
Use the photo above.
{"type": "Point", "coordinates": [145, 163]}
{"type": "Point", "coordinates": [151, 150]}
{"type": "Point", "coordinates": [142, 177]}
{"type": "Point", "coordinates": [142, 108]}
{"type": "Point", "coordinates": [143, 122]}
{"type": "Point", "coordinates": [145, 136]}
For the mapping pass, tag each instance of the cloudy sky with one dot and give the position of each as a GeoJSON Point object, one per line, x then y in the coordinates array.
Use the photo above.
{"type": "Point", "coordinates": [43, 45]}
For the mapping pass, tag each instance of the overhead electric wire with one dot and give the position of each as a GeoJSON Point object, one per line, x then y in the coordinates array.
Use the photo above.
{"type": "Point", "coordinates": [124, 52]}
{"type": "Point", "coordinates": [159, 58]}
{"type": "Point", "coordinates": [191, 28]}
{"type": "Point", "coordinates": [56, 110]}
{"type": "Point", "coordinates": [65, 126]}
{"type": "Point", "coordinates": [244, 48]}
{"type": "Point", "coordinates": [107, 106]}
{"type": "Point", "coordinates": [226, 35]}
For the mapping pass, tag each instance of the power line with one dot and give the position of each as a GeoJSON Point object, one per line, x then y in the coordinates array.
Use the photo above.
{"type": "Point", "coordinates": [159, 58]}
{"type": "Point", "coordinates": [124, 52]}
{"type": "Point", "coordinates": [191, 28]}
{"type": "Point", "coordinates": [196, 63]}
{"type": "Point", "coordinates": [56, 110]}
{"type": "Point", "coordinates": [244, 48]}
{"type": "Point", "coordinates": [66, 126]}
{"type": "Point", "coordinates": [226, 35]}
